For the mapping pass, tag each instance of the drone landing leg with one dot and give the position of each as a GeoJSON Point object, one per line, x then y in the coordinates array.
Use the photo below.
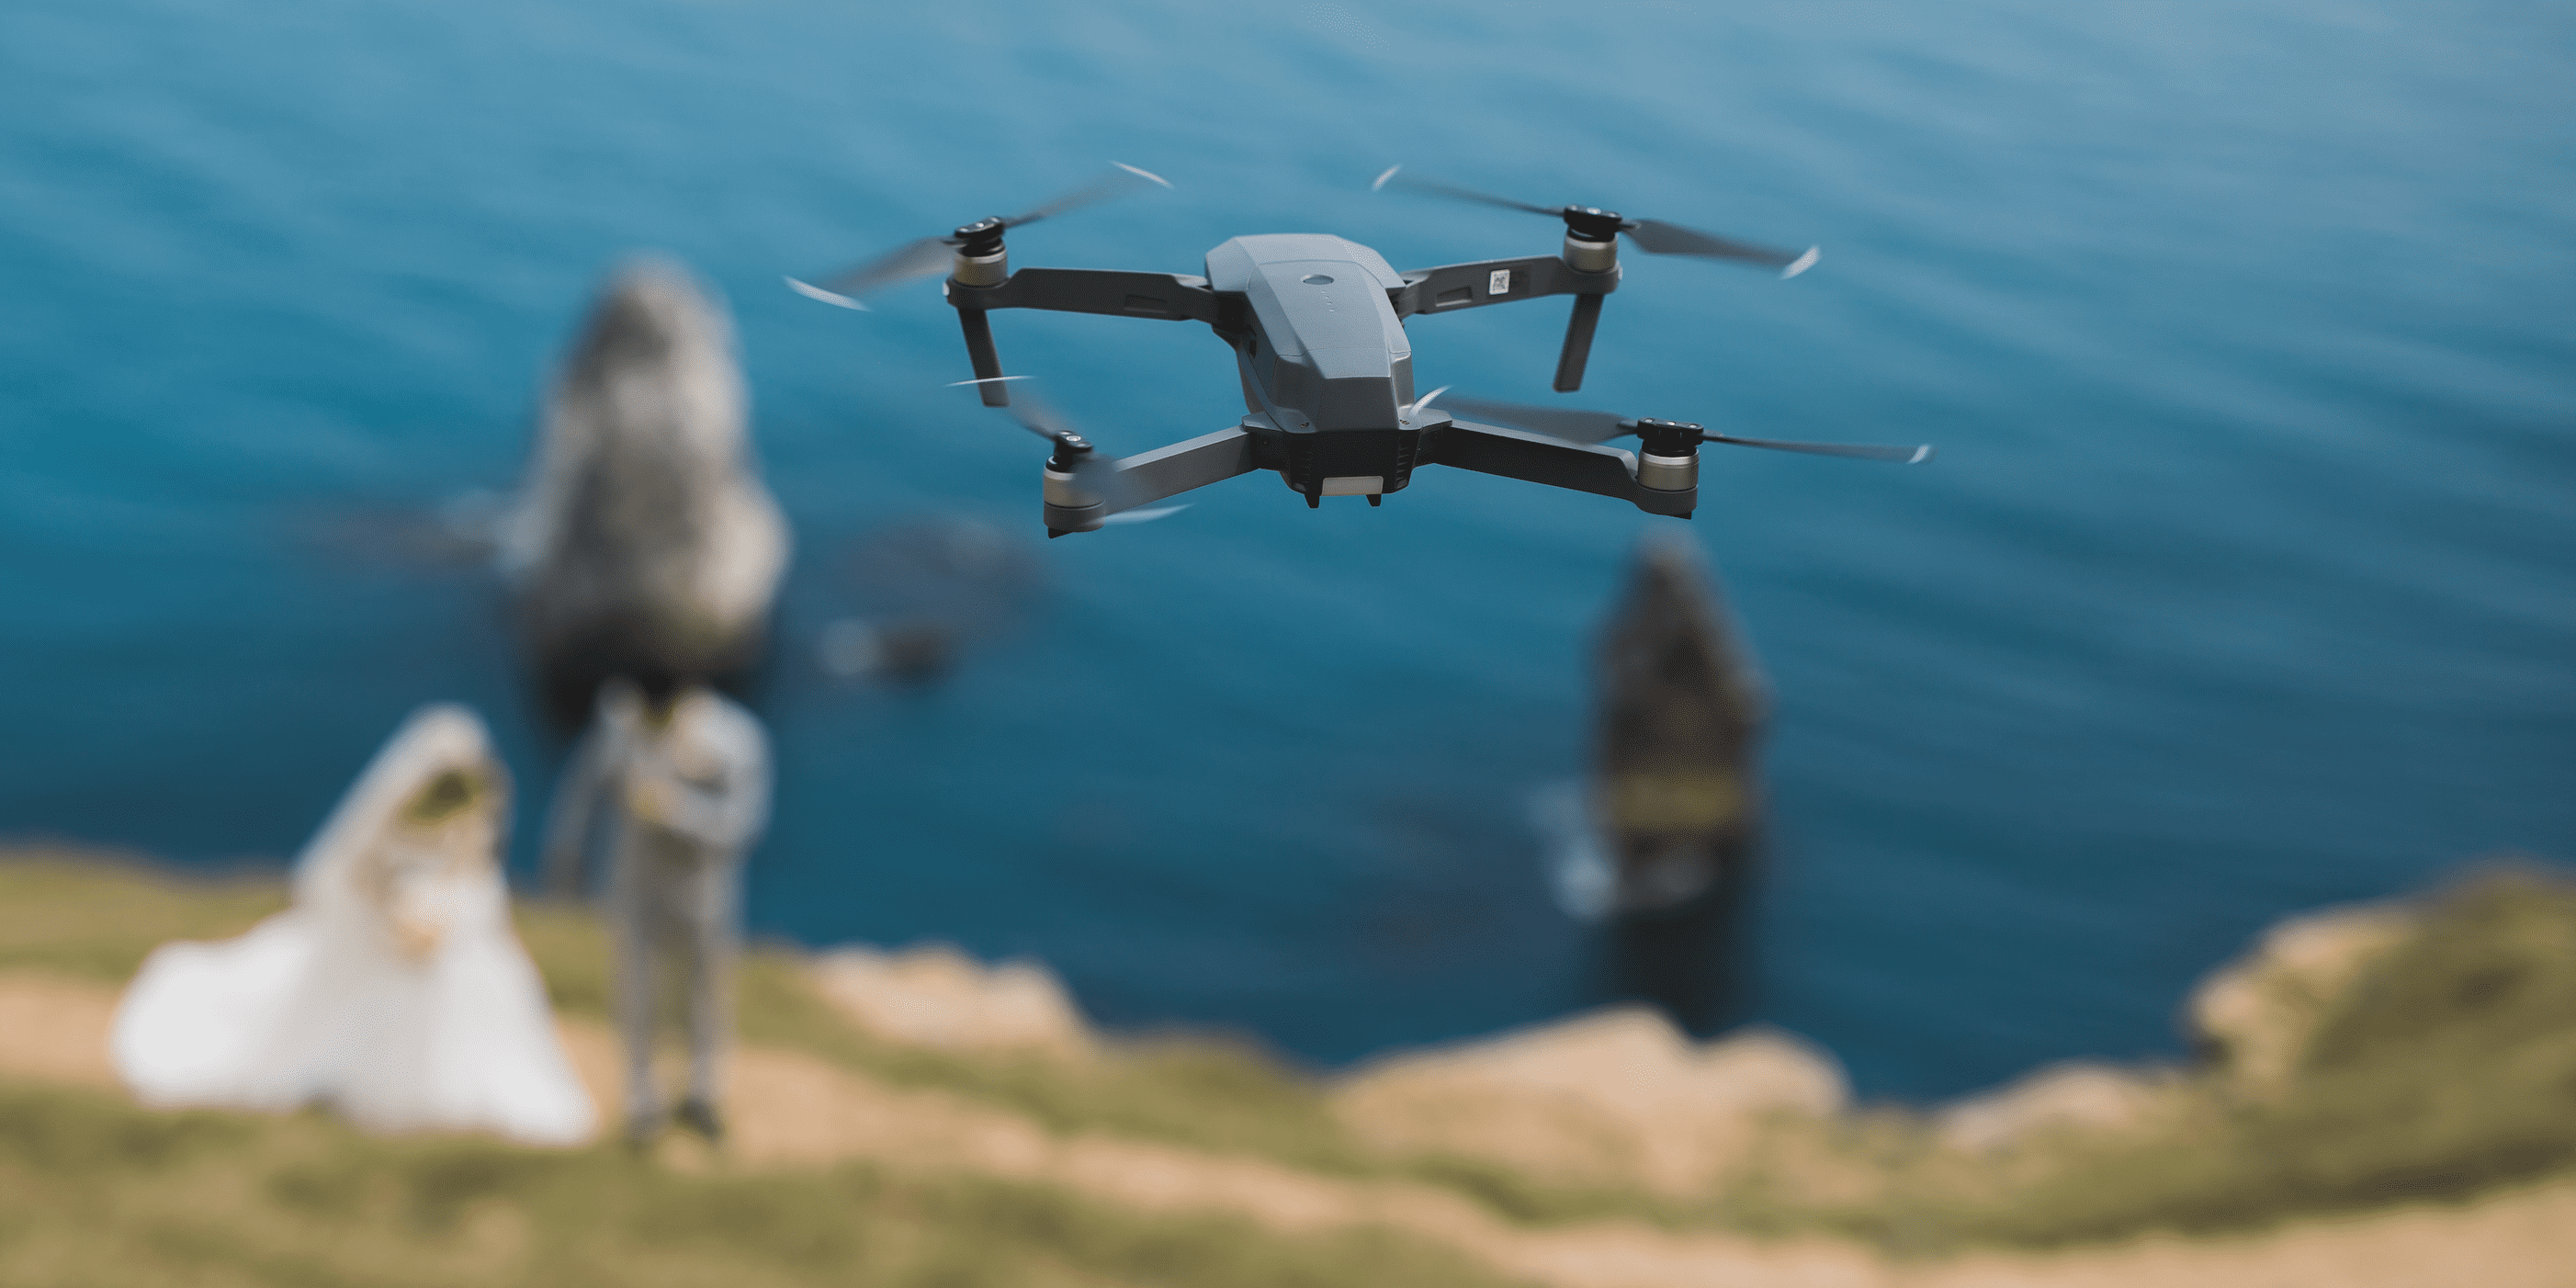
{"type": "Point", "coordinates": [979, 350]}
{"type": "Point", "coordinates": [1578, 343]}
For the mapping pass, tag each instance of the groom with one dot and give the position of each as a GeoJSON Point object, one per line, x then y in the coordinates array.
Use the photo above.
{"type": "Point", "coordinates": [683, 776]}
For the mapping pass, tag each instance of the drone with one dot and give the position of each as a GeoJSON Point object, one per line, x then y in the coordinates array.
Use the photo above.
{"type": "Point", "coordinates": [1316, 323]}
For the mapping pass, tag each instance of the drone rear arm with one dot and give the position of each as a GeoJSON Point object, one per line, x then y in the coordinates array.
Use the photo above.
{"type": "Point", "coordinates": [1537, 458]}
{"type": "Point", "coordinates": [1110, 291]}
{"type": "Point", "coordinates": [1115, 292]}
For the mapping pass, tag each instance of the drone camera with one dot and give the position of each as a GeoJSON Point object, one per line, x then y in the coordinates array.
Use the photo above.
{"type": "Point", "coordinates": [1350, 462]}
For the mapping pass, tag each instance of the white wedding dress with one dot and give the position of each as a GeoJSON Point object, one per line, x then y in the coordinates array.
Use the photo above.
{"type": "Point", "coordinates": [394, 990]}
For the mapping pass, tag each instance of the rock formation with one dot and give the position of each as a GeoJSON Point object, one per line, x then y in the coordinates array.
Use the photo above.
{"type": "Point", "coordinates": [1681, 712]}
{"type": "Point", "coordinates": [2355, 1061]}
{"type": "Point", "coordinates": [644, 542]}
{"type": "Point", "coordinates": [935, 996]}
{"type": "Point", "coordinates": [1615, 1096]}
{"type": "Point", "coordinates": [2255, 1018]}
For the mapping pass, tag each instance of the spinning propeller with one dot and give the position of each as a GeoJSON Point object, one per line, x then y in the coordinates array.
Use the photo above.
{"type": "Point", "coordinates": [1662, 437]}
{"type": "Point", "coordinates": [1092, 471]}
{"type": "Point", "coordinates": [1593, 224]}
{"type": "Point", "coordinates": [925, 256]}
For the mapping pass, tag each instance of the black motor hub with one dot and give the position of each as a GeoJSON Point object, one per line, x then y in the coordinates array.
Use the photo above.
{"type": "Point", "coordinates": [982, 237]}
{"type": "Point", "coordinates": [1592, 223]}
{"type": "Point", "coordinates": [1669, 437]}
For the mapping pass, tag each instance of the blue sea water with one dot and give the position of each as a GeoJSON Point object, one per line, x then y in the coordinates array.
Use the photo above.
{"type": "Point", "coordinates": [2245, 580]}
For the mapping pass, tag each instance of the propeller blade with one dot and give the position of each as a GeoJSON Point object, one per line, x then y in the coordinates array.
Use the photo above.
{"type": "Point", "coordinates": [1914, 455]}
{"type": "Point", "coordinates": [1098, 474]}
{"type": "Point", "coordinates": [1569, 423]}
{"type": "Point", "coordinates": [1656, 237]}
{"type": "Point", "coordinates": [813, 292]}
{"type": "Point", "coordinates": [1142, 516]}
{"type": "Point", "coordinates": [1453, 192]}
{"type": "Point", "coordinates": [1121, 180]}
{"type": "Point", "coordinates": [917, 258]}
{"type": "Point", "coordinates": [1001, 380]}
{"type": "Point", "coordinates": [1095, 470]}
{"type": "Point", "coordinates": [1039, 417]}
{"type": "Point", "coordinates": [1579, 426]}
{"type": "Point", "coordinates": [1653, 236]}
{"type": "Point", "coordinates": [927, 256]}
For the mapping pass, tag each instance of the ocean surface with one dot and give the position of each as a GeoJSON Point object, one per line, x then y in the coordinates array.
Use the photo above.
{"type": "Point", "coordinates": [2244, 581]}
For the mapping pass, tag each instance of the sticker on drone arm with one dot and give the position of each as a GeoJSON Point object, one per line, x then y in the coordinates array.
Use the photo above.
{"type": "Point", "coordinates": [1499, 282]}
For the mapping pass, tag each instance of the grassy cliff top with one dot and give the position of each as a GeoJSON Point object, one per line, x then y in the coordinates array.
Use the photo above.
{"type": "Point", "coordinates": [2437, 1062]}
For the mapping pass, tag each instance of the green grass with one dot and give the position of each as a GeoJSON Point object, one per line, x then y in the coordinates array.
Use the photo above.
{"type": "Point", "coordinates": [94, 1193]}
{"type": "Point", "coordinates": [2447, 1072]}
{"type": "Point", "coordinates": [96, 917]}
{"type": "Point", "coordinates": [100, 918]}
{"type": "Point", "coordinates": [1205, 1093]}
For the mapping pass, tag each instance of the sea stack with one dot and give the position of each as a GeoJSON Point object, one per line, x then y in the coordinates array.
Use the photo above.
{"type": "Point", "coordinates": [1682, 707]}
{"type": "Point", "coordinates": [645, 543]}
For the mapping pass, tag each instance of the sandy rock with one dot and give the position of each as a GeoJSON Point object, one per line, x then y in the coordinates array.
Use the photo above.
{"type": "Point", "coordinates": [935, 996]}
{"type": "Point", "coordinates": [644, 541]}
{"type": "Point", "coordinates": [2077, 1096]}
{"type": "Point", "coordinates": [2256, 1015]}
{"type": "Point", "coordinates": [1618, 1094]}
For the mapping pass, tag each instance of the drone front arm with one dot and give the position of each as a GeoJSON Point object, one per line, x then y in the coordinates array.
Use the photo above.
{"type": "Point", "coordinates": [1452, 287]}
{"type": "Point", "coordinates": [1537, 458]}
{"type": "Point", "coordinates": [1148, 477]}
{"type": "Point", "coordinates": [1114, 292]}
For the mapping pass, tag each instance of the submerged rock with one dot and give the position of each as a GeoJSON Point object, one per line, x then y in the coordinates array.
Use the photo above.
{"type": "Point", "coordinates": [645, 543]}
{"type": "Point", "coordinates": [919, 593]}
{"type": "Point", "coordinates": [1682, 708]}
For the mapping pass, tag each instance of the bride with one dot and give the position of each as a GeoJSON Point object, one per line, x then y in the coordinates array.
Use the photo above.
{"type": "Point", "coordinates": [394, 990]}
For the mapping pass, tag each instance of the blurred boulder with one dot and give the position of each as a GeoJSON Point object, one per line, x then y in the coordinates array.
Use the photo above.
{"type": "Point", "coordinates": [936, 996]}
{"type": "Point", "coordinates": [2255, 1016]}
{"type": "Point", "coordinates": [2077, 1097]}
{"type": "Point", "coordinates": [1615, 1096]}
{"type": "Point", "coordinates": [644, 542]}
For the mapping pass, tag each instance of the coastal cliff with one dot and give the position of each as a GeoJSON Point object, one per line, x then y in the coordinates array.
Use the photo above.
{"type": "Point", "coordinates": [2383, 1096]}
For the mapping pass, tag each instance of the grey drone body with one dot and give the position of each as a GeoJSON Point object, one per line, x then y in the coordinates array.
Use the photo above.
{"type": "Point", "coordinates": [1316, 324]}
{"type": "Point", "coordinates": [1326, 350]}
